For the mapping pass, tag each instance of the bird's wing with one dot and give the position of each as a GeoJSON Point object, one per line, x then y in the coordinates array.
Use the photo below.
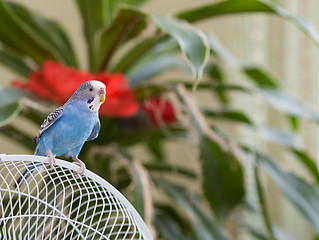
{"type": "Point", "coordinates": [95, 131]}
{"type": "Point", "coordinates": [51, 118]}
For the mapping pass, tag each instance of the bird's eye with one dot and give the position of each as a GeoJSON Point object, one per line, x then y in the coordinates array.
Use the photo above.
{"type": "Point", "coordinates": [91, 89]}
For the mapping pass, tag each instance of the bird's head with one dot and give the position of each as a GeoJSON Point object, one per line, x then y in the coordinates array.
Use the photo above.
{"type": "Point", "coordinates": [93, 92]}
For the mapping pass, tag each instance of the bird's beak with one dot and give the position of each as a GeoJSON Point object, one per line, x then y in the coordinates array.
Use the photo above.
{"type": "Point", "coordinates": [102, 94]}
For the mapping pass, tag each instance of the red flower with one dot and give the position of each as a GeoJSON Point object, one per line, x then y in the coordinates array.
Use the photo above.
{"type": "Point", "coordinates": [57, 83]}
{"type": "Point", "coordinates": [120, 99]}
{"type": "Point", "coordinates": [159, 110]}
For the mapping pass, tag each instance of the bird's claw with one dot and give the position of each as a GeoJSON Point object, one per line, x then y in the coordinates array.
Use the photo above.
{"type": "Point", "coordinates": [81, 165]}
{"type": "Point", "coordinates": [52, 160]}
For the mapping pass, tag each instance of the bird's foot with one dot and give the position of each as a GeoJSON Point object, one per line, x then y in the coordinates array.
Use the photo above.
{"type": "Point", "coordinates": [52, 160]}
{"type": "Point", "coordinates": [79, 163]}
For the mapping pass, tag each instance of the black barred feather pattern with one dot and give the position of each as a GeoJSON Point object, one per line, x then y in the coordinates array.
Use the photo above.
{"type": "Point", "coordinates": [51, 118]}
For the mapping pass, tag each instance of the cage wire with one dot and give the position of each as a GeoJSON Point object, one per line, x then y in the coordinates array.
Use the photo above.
{"type": "Point", "coordinates": [55, 204]}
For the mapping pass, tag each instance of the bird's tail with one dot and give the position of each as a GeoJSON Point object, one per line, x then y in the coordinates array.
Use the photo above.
{"type": "Point", "coordinates": [26, 174]}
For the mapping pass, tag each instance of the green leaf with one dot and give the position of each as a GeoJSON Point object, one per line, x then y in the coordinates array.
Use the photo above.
{"type": "Point", "coordinates": [171, 212]}
{"type": "Point", "coordinates": [282, 235]}
{"type": "Point", "coordinates": [223, 8]}
{"type": "Point", "coordinates": [47, 33]}
{"type": "Point", "coordinates": [8, 113]}
{"type": "Point", "coordinates": [155, 67]}
{"type": "Point", "coordinates": [280, 137]}
{"type": "Point", "coordinates": [308, 162]}
{"type": "Point", "coordinates": [10, 95]}
{"type": "Point", "coordinates": [292, 143]}
{"type": "Point", "coordinates": [248, 6]}
{"type": "Point", "coordinates": [158, 59]}
{"type": "Point", "coordinates": [97, 16]}
{"type": "Point", "coordinates": [228, 114]}
{"type": "Point", "coordinates": [304, 196]}
{"type": "Point", "coordinates": [155, 147]}
{"type": "Point", "coordinates": [294, 123]}
{"type": "Point", "coordinates": [133, 55]}
{"type": "Point", "coordinates": [260, 77]}
{"type": "Point", "coordinates": [15, 34]}
{"type": "Point", "coordinates": [14, 62]}
{"type": "Point", "coordinates": [9, 104]}
{"type": "Point", "coordinates": [286, 104]}
{"type": "Point", "coordinates": [223, 180]}
{"type": "Point", "coordinates": [262, 203]}
{"type": "Point", "coordinates": [216, 78]}
{"type": "Point", "coordinates": [220, 88]}
{"type": "Point", "coordinates": [127, 24]}
{"type": "Point", "coordinates": [203, 225]}
{"type": "Point", "coordinates": [168, 228]}
{"type": "Point", "coordinates": [258, 234]}
{"type": "Point", "coordinates": [193, 43]}
{"type": "Point", "coordinates": [255, 231]}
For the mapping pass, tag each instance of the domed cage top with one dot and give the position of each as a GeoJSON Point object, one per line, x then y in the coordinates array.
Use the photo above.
{"type": "Point", "coordinates": [55, 204]}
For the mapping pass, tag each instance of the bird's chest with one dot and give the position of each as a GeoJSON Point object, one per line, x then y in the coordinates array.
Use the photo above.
{"type": "Point", "coordinates": [75, 128]}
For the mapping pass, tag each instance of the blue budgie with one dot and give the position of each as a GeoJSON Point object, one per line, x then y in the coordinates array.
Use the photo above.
{"type": "Point", "coordinates": [68, 127]}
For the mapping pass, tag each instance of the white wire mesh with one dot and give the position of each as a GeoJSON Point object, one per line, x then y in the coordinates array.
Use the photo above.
{"type": "Point", "coordinates": [54, 204]}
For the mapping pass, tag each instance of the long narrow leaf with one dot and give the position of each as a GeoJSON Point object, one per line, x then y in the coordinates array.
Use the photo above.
{"type": "Point", "coordinates": [260, 77]}
{"type": "Point", "coordinates": [304, 196]}
{"type": "Point", "coordinates": [127, 24]}
{"type": "Point", "coordinates": [308, 162]}
{"type": "Point", "coordinates": [287, 104]}
{"type": "Point", "coordinates": [192, 42]}
{"type": "Point", "coordinates": [263, 206]}
{"type": "Point", "coordinates": [203, 226]}
{"type": "Point", "coordinates": [48, 33]}
{"type": "Point", "coordinates": [248, 6]}
{"type": "Point", "coordinates": [168, 228]}
{"type": "Point", "coordinates": [8, 113]}
{"type": "Point", "coordinates": [155, 67]}
{"type": "Point", "coordinates": [129, 59]}
{"type": "Point", "coordinates": [280, 137]}
{"type": "Point", "coordinates": [293, 144]}
{"type": "Point", "coordinates": [160, 58]}
{"type": "Point", "coordinates": [14, 62]}
{"type": "Point", "coordinates": [10, 95]}
{"type": "Point", "coordinates": [222, 178]}
{"type": "Point", "coordinates": [232, 115]}
{"type": "Point", "coordinates": [98, 15]}
{"type": "Point", "coordinates": [9, 104]}
{"type": "Point", "coordinates": [20, 39]}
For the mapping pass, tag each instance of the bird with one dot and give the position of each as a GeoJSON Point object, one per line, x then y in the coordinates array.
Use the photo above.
{"type": "Point", "coordinates": [68, 127]}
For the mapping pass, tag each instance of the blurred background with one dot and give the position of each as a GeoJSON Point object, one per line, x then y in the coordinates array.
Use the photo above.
{"type": "Point", "coordinates": [261, 39]}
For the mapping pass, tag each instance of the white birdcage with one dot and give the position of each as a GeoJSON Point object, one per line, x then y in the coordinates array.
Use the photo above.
{"type": "Point", "coordinates": [55, 204]}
